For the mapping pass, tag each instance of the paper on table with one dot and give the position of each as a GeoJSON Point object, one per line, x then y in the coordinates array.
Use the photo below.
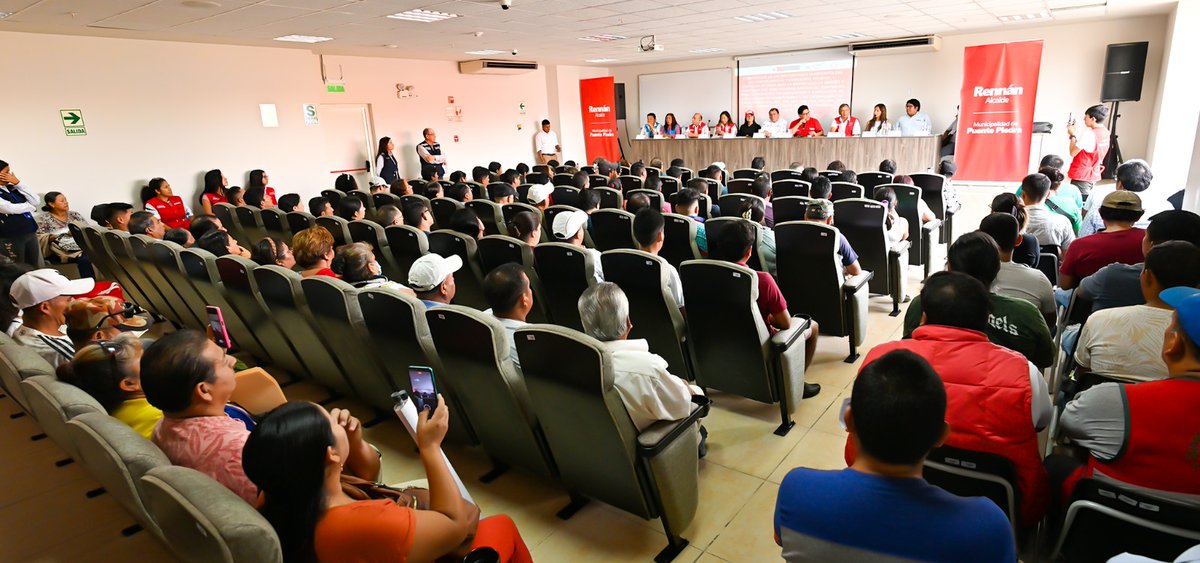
{"type": "Point", "coordinates": [407, 411]}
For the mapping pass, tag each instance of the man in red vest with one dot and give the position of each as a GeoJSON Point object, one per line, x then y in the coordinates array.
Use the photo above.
{"type": "Point", "coordinates": [1088, 149]}
{"type": "Point", "coordinates": [1146, 434]}
{"type": "Point", "coordinates": [997, 400]}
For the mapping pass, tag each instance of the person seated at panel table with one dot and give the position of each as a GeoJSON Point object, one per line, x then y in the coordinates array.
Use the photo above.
{"type": "Point", "coordinates": [670, 127]}
{"type": "Point", "coordinates": [698, 127]}
{"type": "Point", "coordinates": [651, 128]}
{"type": "Point", "coordinates": [774, 127]}
{"type": "Point", "coordinates": [749, 127]}
{"type": "Point", "coordinates": [804, 125]}
{"type": "Point", "coordinates": [879, 124]}
{"type": "Point", "coordinates": [725, 125]}
{"type": "Point", "coordinates": [845, 125]}
{"type": "Point", "coordinates": [914, 122]}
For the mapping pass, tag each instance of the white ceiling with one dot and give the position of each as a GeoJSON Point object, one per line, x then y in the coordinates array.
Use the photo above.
{"type": "Point", "coordinates": [546, 31]}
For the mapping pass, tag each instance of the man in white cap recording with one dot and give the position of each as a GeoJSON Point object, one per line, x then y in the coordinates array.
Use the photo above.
{"type": "Point", "coordinates": [432, 278]}
{"type": "Point", "coordinates": [43, 296]}
{"type": "Point", "coordinates": [569, 227]}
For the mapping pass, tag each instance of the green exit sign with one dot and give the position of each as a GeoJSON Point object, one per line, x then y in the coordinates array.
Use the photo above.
{"type": "Point", "coordinates": [335, 88]}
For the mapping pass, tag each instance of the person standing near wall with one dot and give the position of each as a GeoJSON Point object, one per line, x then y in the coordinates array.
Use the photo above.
{"type": "Point", "coordinates": [18, 230]}
{"type": "Point", "coordinates": [546, 143]}
{"type": "Point", "coordinates": [385, 162]}
{"type": "Point", "coordinates": [432, 162]}
{"type": "Point", "coordinates": [1089, 146]}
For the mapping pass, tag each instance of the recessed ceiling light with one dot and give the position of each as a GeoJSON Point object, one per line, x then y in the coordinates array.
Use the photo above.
{"type": "Point", "coordinates": [762, 17]}
{"type": "Point", "coordinates": [201, 4]}
{"type": "Point", "coordinates": [844, 36]}
{"type": "Point", "coordinates": [1025, 17]}
{"type": "Point", "coordinates": [390, 46]}
{"type": "Point", "coordinates": [303, 38]}
{"type": "Point", "coordinates": [5, 15]}
{"type": "Point", "coordinates": [486, 52]}
{"type": "Point", "coordinates": [603, 37]}
{"type": "Point", "coordinates": [423, 16]}
{"type": "Point", "coordinates": [601, 60]}
{"type": "Point", "coordinates": [707, 50]}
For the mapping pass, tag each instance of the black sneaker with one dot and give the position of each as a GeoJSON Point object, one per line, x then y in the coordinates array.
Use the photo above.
{"type": "Point", "coordinates": [811, 390]}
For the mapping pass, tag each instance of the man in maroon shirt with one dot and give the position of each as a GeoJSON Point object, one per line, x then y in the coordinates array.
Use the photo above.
{"type": "Point", "coordinates": [1119, 242]}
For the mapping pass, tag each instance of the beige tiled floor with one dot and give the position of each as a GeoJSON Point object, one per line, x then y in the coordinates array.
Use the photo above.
{"type": "Point", "coordinates": [44, 515]}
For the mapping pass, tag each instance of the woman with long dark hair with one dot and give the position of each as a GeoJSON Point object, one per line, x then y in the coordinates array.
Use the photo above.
{"type": "Point", "coordinates": [214, 190]}
{"type": "Point", "coordinates": [879, 124]}
{"type": "Point", "coordinates": [159, 199]}
{"type": "Point", "coordinates": [295, 457]}
{"type": "Point", "coordinates": [385, 162]}
{"type": "Point", "coordinates": [725, 125]}
{"type": "Point", "coordinates": [259, 180]}
{"type": "Point", "coordinates": [670, 126]}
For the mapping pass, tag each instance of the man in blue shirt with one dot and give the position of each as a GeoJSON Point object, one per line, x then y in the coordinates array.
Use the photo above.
{"type": "Point", "coordinates": [821, 211]}
{"type": "Point", "coordinates": [431, 277]}
{"type": "Point", "coordinates": [914, 123]}
{"type": "Point", "coordinates": [881, 509]}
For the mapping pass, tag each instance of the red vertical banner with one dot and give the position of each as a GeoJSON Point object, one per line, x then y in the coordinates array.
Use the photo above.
{"type": "Point", "coordinates": [995, 119]}
{"type": "Point", "coordinates": [598, 99]}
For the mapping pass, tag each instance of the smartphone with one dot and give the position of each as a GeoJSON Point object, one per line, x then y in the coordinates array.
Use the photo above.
{"type": "Point", "coordinates": [424, 388]}
{"type": "Point", "coordinates": [217, 322]}
{"type": "Point", "coordinates": [1071, 118]}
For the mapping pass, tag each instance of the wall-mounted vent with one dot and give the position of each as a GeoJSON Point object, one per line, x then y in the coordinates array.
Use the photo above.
{"type": "Point", "coordinates": [488, 66]}
{"type": "Point", "coordinates": [897, 46]}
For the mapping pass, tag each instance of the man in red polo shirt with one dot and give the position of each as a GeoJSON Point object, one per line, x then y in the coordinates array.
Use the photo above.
{"type": "Point", "coordinates": [805, 126]}
{"type": "Point", "coordinates": [1119, 243]}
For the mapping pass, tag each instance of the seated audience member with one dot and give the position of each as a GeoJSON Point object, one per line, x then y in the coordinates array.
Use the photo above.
{"type": "Point", "coordinates": [431, 190]}
{"type": "Point", "coordinates": [313, 250]}
{"type": "Point", "coordinates": [734, 246]}
{"type": "Point", "coordinates": [494, 167]}
{"type": "Point", "coordinates": [650, 392]}
{"type": "Point", "coordinates": [43, 296]}
{"type": "Point", "coordinates": [716, 172]}
{"type": "Point", "coordinates": [146, 223]}
{"type": "Point", "coordinates": [1061, 204]}
{"type": "Point", "coordinates": [821, 188]}
{"type": "Point", "coordinates": [761, 187]}
{"type": "Point", "coordinates": [256, 197]}
{"type": "Point", "coordinates": [351, 208]}
{"type": "Point", "coordinates": [467, 222]}
{"type": "Point", "coordinates": [182, 237]}
{"type": "Point", "coordinates": [388, 215]}
{"type": "Point", "coordinates": [880, 507]}
{"type": "Point", "coordinates": [1014, 323]}
{"type": "Point", "coordinates": [501, 193]}
{"type": "Point", "coordinates": [589, 200]}
{"type": "Point", "coordinates": [1068, 190]}
{"type": "Point", "coordinates": [581, 181]}
{"type": "Point", "coordinates": [377, 185]}
{"type": "Point", "coordinates": [752, 210]}
{"type": "Point", "coordinates": [202, 224]}
{"type": "Point", "coordinates": [400, 188]}
{"type": "Point", "coordinates": [431, 277]}
{"type": "Point", "coordinates": [1018, 280]}
{"type": "Point", "coordinates": [897, 226]}
{"type": "Point", "coordinates": [219, 243]}
{"type": "Point", "coordinates": [539, 195]}
{"type": "Point", "coordinates": [1132, 176]}
{"type": "Point", "coordinates": [1126, 342]}
{"type": "Point", "coordinates": [9, 313]}
{"type": "Point", "coordinates": [417, 214]}
{"type": "Point", "coordinates": [924, 212]}
{"type": "Point", "coordinates": [848, 176]}
{"type": "Point", "coordinates": [637, 202]}
{"type": "Point", "coordinates": [887, 166]}
{"type": "Point", "coordinates": [510, 177]}
{"type": "Point", "coordinates": [758, 162]}
{"type": "Point", "coordinates": [481, 175]}
{"type": "Point", "coordinates": [510, 299]}
{"type": "Point", "coordinates": [355, 263]}
{"type": "Point", "coordinates": [648, 227]}
{"type": "Point", "coordinates": [701, 187]}
{"type": "Point", "coordinates": [677, 163]}
{"type": "Point", "coordinates": [98, 318]}
{"type": "Point", "coordinates": [457, 177]}
{"type": "Point", "coordinates": [569, 227]}
{"type": "Point", "coordinates": [526, 227]}
{"type": "Point", "coordinates": [344, 183]}
{"type": "Point", "coordinates": [675, 172]}
{"type": "Point", "coordinates": [1119, 285]}
{"type": "Point", "coordinates": [987, 386]}
{"type": "Point", "coordinates": [1119, 242]}
{"type": "Point", "coordinates": [1048, 226]}
{"type": "Point", "coordinates": [821, 211]}
{"type": "Point", "coordinates": [687, 203]}
{"type": "Point", "coordinates": [836, 166]}
{"type": "Point", "coordinates": [638, 170]}
{"type": "Point", "coordinates": [110, 371]}
{"type": "Point", "coordinates": [319, 207]}
{"type": "Point", "coordinates": [1028, 251]}
{"type": "Point", "coordinates": [235, 195]}
{"type": "Point", "coordinates": [460, 192]}
{"type": "Point", "coordinates": [289, 203]}
{"type": "Point", "coordinates": [297, 456]}
{"type": "Point", "coordinates": [947, 168]}
{"type": "Point", "coordinates": [271, 250]}
{"type": "Point", "coordinates": [1141, 434]}
{"type": "Point", "coordinates": [117, 215]}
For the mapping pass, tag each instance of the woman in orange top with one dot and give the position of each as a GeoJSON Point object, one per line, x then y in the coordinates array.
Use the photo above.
{"type": "Point", "coordinates": [295, 456]}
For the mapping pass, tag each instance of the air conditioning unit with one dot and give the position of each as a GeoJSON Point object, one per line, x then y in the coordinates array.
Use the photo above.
{"type": "Point", "coordinates": [903, 45]}
{"type": "Point", "coordinates": [488, 66]}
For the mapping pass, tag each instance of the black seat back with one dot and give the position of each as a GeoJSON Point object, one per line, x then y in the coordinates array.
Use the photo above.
{"type": "Point", "coordinates": [510, 210]}
{"type": "Point", "coordinates": [565, 196]}
{"type": "Point", "coordinates": [298, 221]}
{"type": "Point", "coordinates": [489, 213]}
{"type": "Point", "coordinates": [656, 198]}
{"type": "Point", "coordinates": [405, 245]}
{"type": "Point", "coordinates": [338, 227]}
{"type": "Point", "coordinates": [565, 271]}
{"type": "Point", "coordinates": [790, 208]}
{"type": "Point", "coordinates": [1106, 518]}
{"type": "Point", "coordinates": [787, 174]}
{"type": "Point", "coordinates": [679, 239]}
{"type": "Point", "coordinates": [810, 275]}
{"type": "Point", "coordinates": [612, 229]}
{"type": "Point", "coordinates": [630, 183]}
{"type": "Point", "coordinates": [537, 177]}
{"type": "Point", "coordinates": [609, 198]}
{"type": "Point", "coordinates": [726, 333]}
{"type": "Point", "coordinates": [969, 473]}
{"type": "Point", "coordinates": [335, 312]}
{"type": "Point", "coordinates": [862, 222]}
{"type": "Point", "coordinates": [870, 180]}
{"type": "Point", "coordinates": [597, 181]}
{"type": "Point", "coordinates": [669, 185]}
{"type": "Point", "coordinates": [652, 309]}
{"type": "Point", "coordinates": [845, 190]}
{"type": "Point", "coordinates": [548, 219]}
{"type": "Point", "coordinates": [563, 179]}
{"type": "Point", "coordinates": [384, 198]}
{"type": "Point", "coordinates": [741, 186]}
{"type": "Point", "coordinates": [442, 208]}
{"type": "Point", "coordinates": [241, 292]}
{"type": "Point", "coordinates": [468, 281]}
{"type": "Point", "coordinates": [274, 222]}
{"type": "Point", "coordinates": [907, 207]}
{"type": "Point", "coordinates": [932, 186]}
{"type": "Point", "coordinates": [788, 188]}
{"type": "Point", "coordinates": [748, 173]}
{"type": "Point", "coordinates": [713, 228]}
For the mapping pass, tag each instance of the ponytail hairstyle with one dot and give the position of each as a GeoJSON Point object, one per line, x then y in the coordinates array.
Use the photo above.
{"type": "Point", "coordinates": [100, 367]}
{"type": "Point", "coordinates": [285, 457]}
{"type": "Point", "coordinates": [150, 190]}
{"type": "Point", "coordinates": [886, 196]}
{"type": "Point", "coordinates": [49, 199]}
{"type": "Point", "coordinates": [212, 182]}
{"type": "Point", "coordinates": [1009, 203]}
{"type": "Point", "coordinates": [256, 180]}
{"type": "Point", "coordinates": [268, 251]}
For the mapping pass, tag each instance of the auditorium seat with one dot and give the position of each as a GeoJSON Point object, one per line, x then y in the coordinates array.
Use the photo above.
{"type": "Point", "coordinates": [338, 227]}
{"type": "Point", "coordinates": [241, 292]}
{"type": "Point", "coordinates": [740, 186]}
{"type": "Point", "coordinates": [789, 208]}
{"type": "Point", "coordinates": [250, 225]}
{"type": "Point", "coordinates": [656, 198]}
{"type": "Point", "coordinates": [335, 312]}
{"type": "Point", "coordinates": [510, 210]}
{"type": "Point", "coordinates": [468, 281]}
{"type": "Point", "coordinates": [274, 223]}
{"type": "Point", "coordinates": [731, 347]}
{"type": "Point", "coordinates": [165, 256]}
{"type": "Point", "coordinates": [202, 521]}
{"type": "Point", "coordinates": [812, 281]}
{"type": "Point", "coordinates": [679, 239]}
{"type": "Point", "coordinates": [599, 452]}
{"type": "Point", "coordinates": [685, 174]}
{"type": "Point", "coordinates": [404, 199]}
{"type": "Point", "coordinates": [477, 190]}
{"type": "Point", "coordinates": [442, 208]}
{"type": "Point", "coordinates": [54, 403]}
{"type": "Point", "coordinates": [17, 363]}
{"type": "Point", "coordinates": [612, 228]}
{"type": "Point", "coordinates": [201, 268]}
{"type": "Point", "coordinates": [833, 175]}
{"type": "Point", "coordinates": [746, 173]}
{"type": "Point", "coordinates": [968, 473]}
{"type": "Point", "coordinates": [652, 308]}
{"type": "Point", "coordinates": [385, 198]}
{"type": "Point", "coordinates": [495, 251]}
{"type": "Point", "coordinates": [298, 221]}
{"type": "Point", "coordinates": [177, 311]}
{"type": "Point", "coordinates": [538, 177]}
{"type": "Point", "coordinates": [789, 188]}
{"type": "Point", "coordinates": [473, 347]}
{"type": "Point", "coordinates": [563, 179]}
{"type": "Point", "coordinates": [609, 198]}
{"type": "Point", "coordinates": [933, 187]}
{"type": "Point", "coordinates": [405, 244]}
{"type": "Point", "coordinates": [373, 234]}
{"type": "Point", "coordinates": [845, 190]}
{"type": "Point", "coordinates": [731, 200]}
{"type": "Point", "coordinates": [713, 227]}
{"type": "Point", "coordinates": [1106, 518]}
{"type": "Point", "coordinates": [228, 216]}
{"type": "Point", "coordinates": [870, 180]}
{"type": "Point", "coordinates": [597, 181]}
{"type": "Point", "coordinates": [117, 457]}
{"type": "Point", "coordinates": [787, 174]}
{"type": "Point", "coordinates": [334, 197]}
{"type": "Point", "coordinates": [490, 214]}
{"type": "Point", "coordinates": [548, 219]}
{"type": "Point", "coordinates": [566, 271]}
{"type": "Point", "coordinates": [92, 244]}
{"type": "Point", "coordinates": [631, 183]}
{"type": "Point", "coordinates": [117, 243]}
{"type": "Point", "coordinates": [920, 236]}
{"type": "Point", "coordinates": [565, 196]}
{"type": "Point", "coordinates": [861, 221]}
{"type": "Point", "coordinates": [669, 185]}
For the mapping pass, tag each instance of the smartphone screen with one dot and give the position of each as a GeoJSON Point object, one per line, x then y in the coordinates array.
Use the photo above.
{"type": "Point", "coordinates": [217, 322]}
{"type": "Point", "coordinates": [424, 389]}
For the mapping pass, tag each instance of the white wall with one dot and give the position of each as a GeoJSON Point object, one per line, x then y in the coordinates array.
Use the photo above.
{"type": "Point", "coordinates": [1177, 114]}
{"type": "Point", "coordinates": [178, 109]}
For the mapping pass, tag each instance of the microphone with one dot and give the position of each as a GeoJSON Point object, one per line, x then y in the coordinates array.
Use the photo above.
{"type": "Point", "coordinates": [129, 310]}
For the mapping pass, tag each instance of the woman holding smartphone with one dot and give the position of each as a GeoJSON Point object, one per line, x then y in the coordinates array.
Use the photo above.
{"type": "Point", "coordinates": [295, 457]}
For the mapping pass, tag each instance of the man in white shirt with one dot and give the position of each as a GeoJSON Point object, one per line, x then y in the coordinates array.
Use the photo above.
{"type": "Point", "coordinates": [914, 122]}
{"type": "Point", "coordinates": [648, 226]}
{"type": "Point", "coordinates": [773, 127]}
{"type": "Point", "coordinates": [1126, 342]}
{"type": "Point", "coordinates": [1018, 280]}
{"type": "Point", "coordinates": [568, 227]}
{"type": "Point", "coordinates": [510, 297]}
{"type": "Point", "coordinates": [1045, 225]}
{"type": "Point", "coordinates": [43, 296]}
{"type": "Point", "coordinates": [650, 392]}
{"type": "Point", "coordinates": [546, 142]}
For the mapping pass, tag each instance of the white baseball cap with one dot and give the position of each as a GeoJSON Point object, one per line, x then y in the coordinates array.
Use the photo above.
{"type": "Point", "coordinates": [377, 181]}
{"type": "Point", "coordinates": [43, 285]}
{"type": "Point", "coordinates": [430, 270]}
{"type": "Point", "coordinates": [568, 223]}
{"type": "Point", "coordinates": [539, 192]}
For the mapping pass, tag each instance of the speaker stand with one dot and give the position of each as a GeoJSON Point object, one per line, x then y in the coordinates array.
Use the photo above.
{"type": "Point", "coordinates": [1113, 159]}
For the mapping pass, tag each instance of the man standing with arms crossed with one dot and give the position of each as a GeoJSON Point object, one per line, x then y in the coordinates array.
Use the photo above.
{"type": "Point", "coordinates": [1089, 146]}
{"type": "Point", "coordinates": [432, 161]}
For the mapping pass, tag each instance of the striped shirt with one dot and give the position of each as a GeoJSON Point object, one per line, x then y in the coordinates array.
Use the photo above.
{"type": "Point", "coordinates": [57, 350]}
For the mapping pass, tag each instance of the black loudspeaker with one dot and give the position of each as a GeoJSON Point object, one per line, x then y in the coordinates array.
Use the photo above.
{"type": "Point", "coordinates": [1124, 68]}
{"type": "Point", "coordinates": [619, 90]}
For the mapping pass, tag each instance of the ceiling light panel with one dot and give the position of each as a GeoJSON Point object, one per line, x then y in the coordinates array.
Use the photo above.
{"type": "Point", "coordinates": [707, 50]}
{"type": "Point", "coordinates": [844, 36]}
{"type": "Point", "coordinates": [486, 52]}
{"type": "Point", "coordinates": [422, 16]}
{"type": "Point", "coordinates": [601, 60]}
{"type": "Point", "coordinates": [603, 38]}
{"type": "Point", "coordinates": [1032, 16]}
{"type": "Point", "coordinates": [303, 38]}
{"type": "Point", "coordinates": [762, 17]}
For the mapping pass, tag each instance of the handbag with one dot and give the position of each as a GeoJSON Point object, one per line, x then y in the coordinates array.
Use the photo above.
{"type": "Point", "coordinates": [362, 489]}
